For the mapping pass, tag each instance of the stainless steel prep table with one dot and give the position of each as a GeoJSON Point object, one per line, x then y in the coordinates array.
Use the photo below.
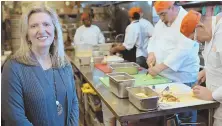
{"type": "Point", "coordinates": [122, 109]}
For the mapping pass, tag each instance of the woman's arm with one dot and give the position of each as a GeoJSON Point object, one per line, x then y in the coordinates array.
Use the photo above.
{"type": "Point", "coordinates": [13, 111]}
{"type": "Point", "coordinates": [74, 117]}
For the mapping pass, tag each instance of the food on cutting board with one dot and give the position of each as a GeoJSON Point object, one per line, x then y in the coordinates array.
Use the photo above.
{"type": "Point", "coordinates": [143, 95]}
{"type": "Point", "coordinates": [150, 76]}
{"type": "Point", "coordinates": [169, 97]}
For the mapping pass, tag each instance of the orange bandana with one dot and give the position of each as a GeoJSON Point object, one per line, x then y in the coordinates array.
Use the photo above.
{"type": "Point", "coordinates": [133, 10]}
{"type": "Point", "coordinates": [190, 22]}
{"type": "Point", "coordinates": [162, 5]}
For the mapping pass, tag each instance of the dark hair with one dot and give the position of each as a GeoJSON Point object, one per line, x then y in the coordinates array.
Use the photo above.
{"type": "Point", "coordinates": [136, 16]}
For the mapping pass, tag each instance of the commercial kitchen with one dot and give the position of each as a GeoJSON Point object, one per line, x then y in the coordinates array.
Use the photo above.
{"type": "Point", "coordinates": [116, 85]}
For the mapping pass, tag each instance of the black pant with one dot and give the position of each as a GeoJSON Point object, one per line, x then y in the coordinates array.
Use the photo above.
{"type": "Point", "coordinates": [142, 62]}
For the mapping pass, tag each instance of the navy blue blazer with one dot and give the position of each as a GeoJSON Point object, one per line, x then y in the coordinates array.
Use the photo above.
{"type": "Point", "coordinates": [26, 94]}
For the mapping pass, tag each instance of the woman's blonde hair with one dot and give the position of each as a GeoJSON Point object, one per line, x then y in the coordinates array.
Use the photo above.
{"type": "Point", "coordinates": [24, 54]}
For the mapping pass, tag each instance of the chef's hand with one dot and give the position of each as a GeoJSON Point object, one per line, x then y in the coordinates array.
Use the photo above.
{"type": "Point", "coordinates": [202, 93]}
{"type": "Point", "coordinates": [112, 50]}
{"type": "Point", "coordinates": [151, 60]}
{"type": "Point", "coordinates": [153, 71]}
{"type": "Point", "coordinates": [201, 76]}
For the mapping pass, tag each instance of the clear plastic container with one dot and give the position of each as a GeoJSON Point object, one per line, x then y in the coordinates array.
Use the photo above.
{"type": "Point", "coordinates": [83, 50]}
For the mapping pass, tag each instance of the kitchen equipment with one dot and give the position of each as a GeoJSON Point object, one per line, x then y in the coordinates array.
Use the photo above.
{"type": "Point", "coordinates": [119, 82]}
{"type": "Point", "coordinates": [148, 101]}
{"type": "Point", "coordinates": [141, 80]}
{"type": "Point", "coordinates": [102, 47]}
{"type": "Point", "coordinates": [197, 83]}
{"type": "Point", "coordinates": [100, 53]}
{"type": "Point", "coordinates": [98, 59]}
{"type": "Point", "coordinates": [165, 89]}
{"type": "Point", "coordinates": [151, 65]}
{"type": "Point", "coordinates": [103, 67]}
{"type": "Point", "coordinates": [83, 50]}
{"type": "Point", "coordinates": [113, 59]}
{"type": "Point", "coordinates": [128, 67]}
{"type": "Point", "coordinates": [84, 61]}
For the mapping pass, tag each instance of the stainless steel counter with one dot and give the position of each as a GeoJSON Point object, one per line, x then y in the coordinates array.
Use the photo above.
{"type": "Point", "coordinates": [122, 109]}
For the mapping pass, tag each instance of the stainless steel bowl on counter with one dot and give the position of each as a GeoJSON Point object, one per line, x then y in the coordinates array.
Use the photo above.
{"type": "Point", "coordinates": [144, 98]}
{"type": "Point", "coordinates": [118, 83]}
{"type": "Point", "coordinates": [127, 67]}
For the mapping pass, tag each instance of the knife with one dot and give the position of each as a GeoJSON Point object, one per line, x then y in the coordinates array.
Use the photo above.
{"type": "Point", "coordinates": [197, 83]}
{"type": "Point", "coordinates": [151, 65]}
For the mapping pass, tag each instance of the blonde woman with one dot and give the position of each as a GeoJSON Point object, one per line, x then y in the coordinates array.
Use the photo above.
{"type": "Point", "coordinates": [37, 81]}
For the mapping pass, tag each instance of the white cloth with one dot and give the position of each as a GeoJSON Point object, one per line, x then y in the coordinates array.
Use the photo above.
{"type": "Point", "coordinates": [217, 122]}
{"type": "Point", "coordinates": [146, 32]}
{"type": "Point", "coordinates": [133, 37]}
{"type": "Point", "coordinates": [175, 50]}
{"type": "Point", "coordinates": [213, 65]}
{"type": "Point", "coordinates": [88, 35]}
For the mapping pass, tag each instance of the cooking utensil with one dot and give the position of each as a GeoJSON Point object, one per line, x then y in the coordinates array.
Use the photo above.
{"type": "Point", "coordinates": [197, 83]}
{"type": "Point", "coordinates": [127, 67]}
{"type": "Point", "coordinates": [148, 103]}
{"type": "Point", "coordinates": [151, 65]}
{"type": "Point", "coordinates": [165, 89]}
{"type": "Point", "coordinates": [118, 83]}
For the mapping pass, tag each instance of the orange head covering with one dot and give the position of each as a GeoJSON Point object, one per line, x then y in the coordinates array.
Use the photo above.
{"type": "Point", "coordinates": [84, 16]}
{"type": "Point", "coordinates": [190, 22]}
{"type": "Point", "coordinates": [133, 10]}
{"type": "Point", "coordinates": [162, 5]}
{"type": "Point", "coordinates": [139, 10]}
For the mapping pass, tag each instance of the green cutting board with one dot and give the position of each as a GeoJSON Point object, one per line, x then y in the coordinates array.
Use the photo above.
{"type": "Point", "coordinates": [141, 80]}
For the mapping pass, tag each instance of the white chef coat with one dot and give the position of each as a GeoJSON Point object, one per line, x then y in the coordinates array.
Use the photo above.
{"type": "Point", "coordinates": [175, 50]}
{"type": "Point", "coordinates": [213, 66]}
{"type": "Point", "coordinates": [133, 38]}
{"type": "Point", "coordinates": [89, 35]}
{"type": "Point", "coordinates": [146, 31]}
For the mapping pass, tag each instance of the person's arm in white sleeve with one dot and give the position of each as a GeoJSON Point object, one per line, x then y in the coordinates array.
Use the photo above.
{"type": "Point", "coordinates": [151, 44]}
{"type": "Point", "coordinates": [77, 37]}
{"type": "Point", "coordinates": [176, 58]}
{"type": "Point", "coordinates": [101, 37]}
{"type": "Point", "coordinates": [130, 38]}
{"type": "Point", "coordinates": [217, 95]}
{"type": "Point", "coordinates": [218, 38]}
{"type": "Point", "coordinates": [149, 29]}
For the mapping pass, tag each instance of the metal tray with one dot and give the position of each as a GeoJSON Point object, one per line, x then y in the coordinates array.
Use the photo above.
{"type": "Point", "coordinates": [118, 83]}
{"type": "Point", "coordinates": [143, 103]}
{"type": "Point", "coordinates": [127, 67]}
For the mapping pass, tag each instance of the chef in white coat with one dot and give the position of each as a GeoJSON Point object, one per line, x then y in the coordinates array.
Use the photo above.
{"type": "Point", "coordinates": [88, 33]}
{"type": "Point", "coordinates": [211, 35]}
{"type": "Point", "coordinates": [132, 48]}
{"type": "Point", "coordinates": [170, 53]}
{"type": "Point", "coordinates": [146, 32]}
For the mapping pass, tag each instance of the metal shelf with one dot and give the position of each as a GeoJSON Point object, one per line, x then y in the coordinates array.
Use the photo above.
{"type": "Point", "coordinates": [200, 3]}
{"type": "Point", "coordinates": [114, 3]}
